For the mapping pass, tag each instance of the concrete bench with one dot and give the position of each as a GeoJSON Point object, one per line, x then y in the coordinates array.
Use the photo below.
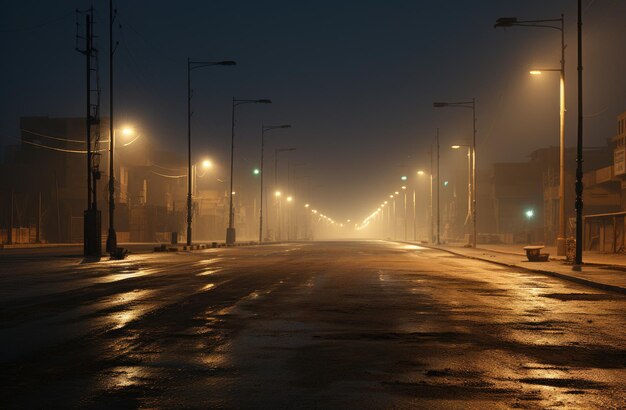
{"type": "Point", "coordinates": [533, 253]}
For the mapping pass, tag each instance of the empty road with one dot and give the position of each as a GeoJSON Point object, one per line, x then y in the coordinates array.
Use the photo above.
{"type": "Point", "coordinates": [346, 324]}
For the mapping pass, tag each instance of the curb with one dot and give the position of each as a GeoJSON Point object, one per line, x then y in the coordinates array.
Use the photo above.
{"type": "Point", "coordinates": [580, 281]}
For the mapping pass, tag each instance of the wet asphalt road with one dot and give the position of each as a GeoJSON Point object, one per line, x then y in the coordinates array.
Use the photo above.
{"type": "Point", "coordinates": [314, 325]}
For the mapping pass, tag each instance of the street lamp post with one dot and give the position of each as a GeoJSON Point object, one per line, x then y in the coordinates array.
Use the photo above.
{"type": "Point", "coordinates": [405, 213]}
{"type": "Point", "coordinates": [469, 179]}
{"type": "Point", "coordinates": [111, 244]}
{"type": "Point", "coordinates": [192, 65]}
{"type": "Point", "coordinates": [264, 129]}
{"type": "Point", "coordinates": [230, 231]}
{"type": "Point", "coordinates": [431, 229]}
{"type": "Point", "coordinates": [276, 152]}
{"type": "Point", "coordinates": [546, 23]}
{"type": "Point", "coordinates": [472, 105]}
{"type": "Point", "coordinates": [277, 195]}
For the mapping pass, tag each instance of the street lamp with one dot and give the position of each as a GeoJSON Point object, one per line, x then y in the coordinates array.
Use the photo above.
{"type": "Point", "coordinates": [192, 65]}
{"type": "Point", "coordinates": [264, 129]}
{"type": "Point", "coordinates": [111, 244]}
{"type": "Point", "coordinates": [230, 231]}
{"type": "Point", "coordinates": [276, 152]}
{"type": "Point", "coordinates": [464, 104]}
{"type": "Point", "coordinates": [404, 190]}
{"type": "Point", "coordinates": [469, 179]}
{"type": "Point", "coordinates": [549, 23]}
{"type": "Point", "coordinates": [289, 200]}
{"type": "Point", "coordinates": [430, 206]}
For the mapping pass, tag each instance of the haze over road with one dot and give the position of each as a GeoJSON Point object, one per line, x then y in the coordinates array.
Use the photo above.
{"type": "Point", "coordinates": [349, 324]}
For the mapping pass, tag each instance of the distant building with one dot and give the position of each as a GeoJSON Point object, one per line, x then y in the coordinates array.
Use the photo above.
{"type": "Point", "coordinates": [605, 225]}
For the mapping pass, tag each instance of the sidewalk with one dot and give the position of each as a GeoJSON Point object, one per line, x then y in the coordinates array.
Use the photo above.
{"type": "Point", "coordinates": [601, 271]}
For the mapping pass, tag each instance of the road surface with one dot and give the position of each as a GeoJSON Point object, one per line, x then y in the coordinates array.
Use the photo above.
{"type": "Point", "coordinates": [348, 324]}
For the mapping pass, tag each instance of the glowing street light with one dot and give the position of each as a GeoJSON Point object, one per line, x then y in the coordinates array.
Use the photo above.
{"type": "Point", "coordinates": [470, 172]}
{"type": "Point", "coordinates": [471, 105]}
{"type": "Point", "coordinates": [264, 129]}
{"type": "Point", "coordinates": [111, 244]}
{"type": "Point", "coordinates": [192, 65]}
{"type": "Point", "coordinates": [559, 25]}
{"type": "Point", "coordinates": [230, 231]}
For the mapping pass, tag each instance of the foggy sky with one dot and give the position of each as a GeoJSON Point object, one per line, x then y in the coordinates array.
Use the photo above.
{"type": "Point", "coordinates": [356, 79]}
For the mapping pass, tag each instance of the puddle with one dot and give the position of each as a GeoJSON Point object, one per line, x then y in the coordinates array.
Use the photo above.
{"type": "Point", "coordinates": [579, 296]}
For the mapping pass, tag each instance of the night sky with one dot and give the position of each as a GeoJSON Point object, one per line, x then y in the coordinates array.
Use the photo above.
{"type": "Point", "coordinates": [356, 79]}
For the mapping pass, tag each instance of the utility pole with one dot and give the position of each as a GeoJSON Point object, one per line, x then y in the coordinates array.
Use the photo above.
{"type": "Point", "coordinates": [91, 226]}
{"type": "Point", "coordinates": [111, 245]}
{"type": "Point", "coordinates": [438, 183]}
{"type": "Point", "coordinates": [579, 150]}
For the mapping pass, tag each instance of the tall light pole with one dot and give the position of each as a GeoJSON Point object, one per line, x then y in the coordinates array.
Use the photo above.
{"type": "Point", "coordinates": [111, 245]}
{"type": "Point", "coordinates": [230, 231]}
{"type": "Point", "coordinates": [264, 129]}
{"type": "Point", "coordinates": [276, 152]}
{"type": "Point", "coordinates": [438, 185]}
{"type": "Point", "coordinates": [546, 23]}
{"type": "Point", "coordinates": [469, 179]}
{"type": "Point", "coordinates": [431, 230]}
{"type": "Point", "coordinates": [472, 105]}
{"type": "Point", "coordinates": [192, 65]}
{"type": "Point", "coordinates": [578, 260]}
{"type": "Point", "coordinates": [405, 213]}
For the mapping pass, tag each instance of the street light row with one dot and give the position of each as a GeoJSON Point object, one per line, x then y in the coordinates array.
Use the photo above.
{"type": "Point", "coordinates": [230, 231]}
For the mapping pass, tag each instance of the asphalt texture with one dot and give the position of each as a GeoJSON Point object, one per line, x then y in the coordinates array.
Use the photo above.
{"type": "Point", "coordinates": [305, 325]}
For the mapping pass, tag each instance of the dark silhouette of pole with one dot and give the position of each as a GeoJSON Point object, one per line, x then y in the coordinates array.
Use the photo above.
{"type": "Point", "coordinates": [111, 244]}
{"type": "Point", "coordinates": [88, 115]}
{"type": "Point", "coordinates": [465, 104]}
{"type": "Point", "coordinates": [547, 23]}
{"type": "Point", "coordinates": [278, 209]}
{"type": "Point", "coordinates": [230, 231]}
{"type": "Point", "coordinates": [579, 149]}
{"type": "Point", "coordinates": [265, 128]}
{"type": "Point", "coordinates": [189, 199]}
{"type": "Point", "coordinates": [191, 65]}
{"type": "Point", "coordinates": [438, 183]}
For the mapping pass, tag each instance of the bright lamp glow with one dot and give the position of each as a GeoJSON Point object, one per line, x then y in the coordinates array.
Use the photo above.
{"type": "Point", "coordinates": [128, 131]}
{"type": "Point", "coordinates": [530, 213]}
{"type": "Point", "coordinates": [206, 164]}
{"type": "Point", "coordinates": [420, 172]}
{"type": "Point", "coordinates": [535, 72]}
{"type": "Point", "coordinates": [277, 193]}
{"type": "Point", "coordinates": [455, 147]}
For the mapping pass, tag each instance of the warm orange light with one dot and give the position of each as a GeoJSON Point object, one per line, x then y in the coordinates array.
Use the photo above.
{"type": "Point", "coordinates": [455, 147]}
{"type": "Point", "coordinates": [535, 72]}
{"type": "Point", "coordinates": [420, 172]}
